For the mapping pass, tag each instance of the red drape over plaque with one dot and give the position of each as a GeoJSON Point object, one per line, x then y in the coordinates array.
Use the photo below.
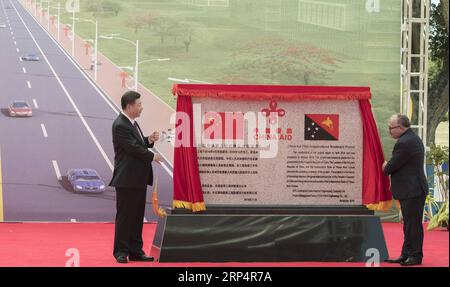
{"type": "Point", "coordinates": [376, 195]}
{"type": "Point", "coordinates": [187, 185]}
{"type": "Point", "coordinates": [187, 189]}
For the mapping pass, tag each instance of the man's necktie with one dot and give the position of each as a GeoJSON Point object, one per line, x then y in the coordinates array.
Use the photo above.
{"type": "Point", "coordinates": [138, 130]}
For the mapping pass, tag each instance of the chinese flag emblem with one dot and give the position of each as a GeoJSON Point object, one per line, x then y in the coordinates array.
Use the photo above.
{"type": "Point", "coordinates": [321, 127]}
{"type": "Point", "coordinates": [224, 125]}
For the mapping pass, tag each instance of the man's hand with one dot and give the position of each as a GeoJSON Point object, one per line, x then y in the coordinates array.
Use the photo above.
{"type": "Point", "coordinates": [157, 158]}
{"type": "Point", "coordinates": [384, 165]}
{"type": "Point", "coordinates": [154, 137]}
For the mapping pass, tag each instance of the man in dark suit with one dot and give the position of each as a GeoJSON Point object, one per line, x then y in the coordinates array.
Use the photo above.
{"type": "Point", "coordinates": [409, 186]}
{"type": "Point", "coordinates": [132, 174]}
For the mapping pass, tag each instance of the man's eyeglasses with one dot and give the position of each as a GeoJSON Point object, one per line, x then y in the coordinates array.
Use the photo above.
{"type": "Point", "coordinates": [391, 128]}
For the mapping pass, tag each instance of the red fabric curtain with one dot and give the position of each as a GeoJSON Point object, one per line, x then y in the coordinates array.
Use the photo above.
{"type": "Point", "coordinates": [268, 92]}
{"type": "Point", "coordinates": [187, 189]}
{"type": "Point", "coordinates": [376, 194]}
{"type": "Point", "coordinates": [187, 186]}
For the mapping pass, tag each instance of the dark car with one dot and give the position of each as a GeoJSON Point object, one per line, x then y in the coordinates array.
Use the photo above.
{"type": "Point", "coordinates": [20, 109]}
{"type": "Point", "coordinates": [85, 180]}
{"type": "Point", "coordinates": [31, 57]}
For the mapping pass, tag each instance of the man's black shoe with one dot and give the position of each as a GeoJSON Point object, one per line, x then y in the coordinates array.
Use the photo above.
{"type": "Point", "coordinates": [396, 260]}
{"type": "Point", "coordinates": [411, 262]}
{"type": "Point", "coordinates": [142, 257]}
{"type": "Point", "coordinates": [121, 259]}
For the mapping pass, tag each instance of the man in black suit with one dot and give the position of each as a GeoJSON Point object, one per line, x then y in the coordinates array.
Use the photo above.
{"type": "Point", "coordinates": [132, 174]}
{"type": "Point", "coordinates": [409, 186]}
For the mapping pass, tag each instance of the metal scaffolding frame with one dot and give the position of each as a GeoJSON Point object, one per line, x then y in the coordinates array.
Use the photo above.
{"type": "Point", "coordinates": [414, 62]}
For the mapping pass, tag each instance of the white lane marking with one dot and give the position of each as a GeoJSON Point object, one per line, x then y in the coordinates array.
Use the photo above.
{"type": "Point", "coordinates": [24, 70]}
{"type": "Point", "coordinates": [56, 167]}
{"type": "Point", "coordinates": [29, 84]}
{"type": "Point", "coordinates": [35, 104]}
{"type": "Point", "coordinates": [162, 163]}
{"type": "Point", "coordinates": [12, 33]}
{"type": "Point", "coordinates": [44, 131]}
{"type": "Point", "coordinates": [17, 49]}
{"type": "Point", "coordinates": [166, 168]}
{"type": "Point", "coordinates": [20, 59]}
{"type": "Point", "coordinates": [103, 153]}
{"type": "Point", "coordinates": [15, 43]}
{"type": "Point", "coordinates": [110, 102]}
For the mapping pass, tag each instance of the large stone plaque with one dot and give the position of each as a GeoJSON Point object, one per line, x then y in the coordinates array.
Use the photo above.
{"type": "Point", "coordinates": [315, 153]}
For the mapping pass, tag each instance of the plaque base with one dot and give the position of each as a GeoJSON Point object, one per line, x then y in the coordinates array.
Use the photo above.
{"type": "Point", "coordinates": [293, 234]}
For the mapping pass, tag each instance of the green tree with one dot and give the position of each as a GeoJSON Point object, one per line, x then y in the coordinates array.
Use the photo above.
{"type": "Point", "coordinates": [162, 27]}
{"type": "Point", "coordinates": [141, 20]}
{"type": "Point", "coordinates": [185, 31]}
{"type": "Point", "coordinates": [112, 6]}
{"type": "Point", "coordinates": [94, 6]}
{"type": "Point", "coordinates": [187, 37]}
{"type": "Point", "coordinates": [280, 60]}
{"type": "Point", "coordinates": [134, 23]}
{"type": "Point", "coordinates": [175, 30]}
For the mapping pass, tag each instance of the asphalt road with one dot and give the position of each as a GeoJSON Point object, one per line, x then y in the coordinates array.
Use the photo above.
{"type": "Point", "coordinates": [70, 128]}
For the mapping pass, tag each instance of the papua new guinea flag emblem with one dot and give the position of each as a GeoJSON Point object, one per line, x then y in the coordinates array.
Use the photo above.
{"type": "Point", "coordinates": [321, 127]}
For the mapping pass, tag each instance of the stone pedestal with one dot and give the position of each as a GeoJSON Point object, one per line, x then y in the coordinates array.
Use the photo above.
{"type": "Point", "coordinates": [269, 235]}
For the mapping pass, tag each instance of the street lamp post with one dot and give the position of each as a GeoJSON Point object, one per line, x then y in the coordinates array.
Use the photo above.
{"type": "Point", "coordinates": [136, 66]}
{"type": "Point", "coordinates": [96, 50]}
{"type": "Point", "coordinates": [144, 61]}
{"type": "Point", "coordinates": [136, 69]}
{"type": "Point", "coordinates": [114, 36]}
{"type": "Point", "coordinates": [73, 31]}
{"type": "Point", "coordinates": [150, 60]}
{"type": "Point", "coordinates": [186, 80]}
{"type": "Point", "coordinates": [95, 42]}
{"type": "Point", "coordinates": [59, 16]}
{"type": "Point", "coordinates": [48, 15]}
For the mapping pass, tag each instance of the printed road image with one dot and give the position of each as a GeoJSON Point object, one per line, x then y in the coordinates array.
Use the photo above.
{"type": "Point", "coordinates": [66, 126]}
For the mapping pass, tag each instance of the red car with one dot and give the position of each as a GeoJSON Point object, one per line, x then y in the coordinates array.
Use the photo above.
{"type": "Point", "coordinates": [20, 109]}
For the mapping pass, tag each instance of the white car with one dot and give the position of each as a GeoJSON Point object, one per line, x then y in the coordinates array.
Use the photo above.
{"type": "Point", "coordinates": [3, 25]}
{"type": "Point", "coordinates": [30, 57]}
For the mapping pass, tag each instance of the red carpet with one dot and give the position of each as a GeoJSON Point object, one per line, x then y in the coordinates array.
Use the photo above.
{"type": "Point", "coordinates": [45, 244]}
